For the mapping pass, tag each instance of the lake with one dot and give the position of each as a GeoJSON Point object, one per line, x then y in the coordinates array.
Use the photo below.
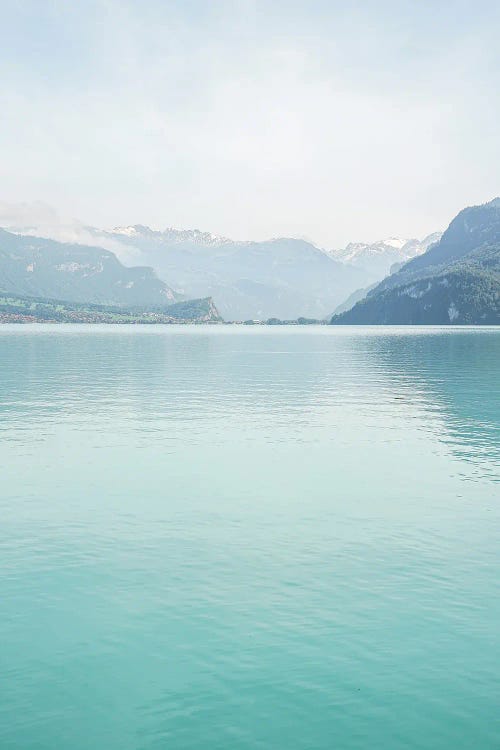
{"type": "Point", "coordinates": [231, 537]}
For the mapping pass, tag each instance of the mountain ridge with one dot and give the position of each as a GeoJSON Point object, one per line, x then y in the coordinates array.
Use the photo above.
{"type": "Point", "coordinates": [378, 257]}
{"type": "Point", "coordinates": [41, 267]}
{"type": "Point", "coordinates": [280, 277]}
{"type": "Point", "coordinates": [457, 281]}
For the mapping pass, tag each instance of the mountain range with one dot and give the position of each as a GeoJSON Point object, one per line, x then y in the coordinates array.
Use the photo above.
{"type": "Point", "coordinates": [45, 280]}
{"type": "Point", "coordinates": [457, 281]}
{"type": "Point", "coordinates": [449, 278]}
{"type": "Point", "coordinates": [283, 278]}
{"type": "Point", "coordinates": [378, 258]}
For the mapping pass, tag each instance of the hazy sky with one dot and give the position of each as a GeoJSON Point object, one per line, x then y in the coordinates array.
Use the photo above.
{"type": "Point", "coordinates": [334, 121]}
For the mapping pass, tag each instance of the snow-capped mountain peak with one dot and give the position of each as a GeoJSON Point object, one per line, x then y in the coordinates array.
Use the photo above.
{"type": "Point", "coordinates": [171, 235]}
{"type": "Point", "coordinates": [128, 231]}
{"type": "Point", "coordinates": [378, 257]}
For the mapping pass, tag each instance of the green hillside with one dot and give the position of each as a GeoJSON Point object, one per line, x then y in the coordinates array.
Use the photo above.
{"type": "Point", "coordinates": [20, 309]}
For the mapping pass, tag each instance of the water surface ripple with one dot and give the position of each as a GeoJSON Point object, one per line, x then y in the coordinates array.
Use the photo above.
{"type": "Point", "coordinates": [238, 538]}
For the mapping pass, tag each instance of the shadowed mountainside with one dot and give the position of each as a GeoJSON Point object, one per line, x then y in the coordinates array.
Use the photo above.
{"type": "Point", "coordinates": [457, 281]}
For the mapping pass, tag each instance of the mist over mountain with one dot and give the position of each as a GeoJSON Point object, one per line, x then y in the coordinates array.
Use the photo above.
{"type": "Point", "coordinates": [41, 267]}
{"type": "Point", "coordinates": [282, 278]}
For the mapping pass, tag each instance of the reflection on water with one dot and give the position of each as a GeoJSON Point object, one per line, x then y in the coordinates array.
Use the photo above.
{"type": "Point", "coordinates": [449, 374]}
{"type": "Point", "coordinates": [249, 538]}
{"type": "Point", "coordinates": [453, 374]}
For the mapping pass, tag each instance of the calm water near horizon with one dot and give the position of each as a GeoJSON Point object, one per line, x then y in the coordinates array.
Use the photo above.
{"type": "Point", "coordinates": [232, 538]}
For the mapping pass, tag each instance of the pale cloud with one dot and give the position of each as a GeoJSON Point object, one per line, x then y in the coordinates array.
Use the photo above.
{"type": "Point", "coordinates": [253, 119]}
{"type": "Point", "coordinates": [36, 213]}
{"type": "Point", "coordinates": [38, 219]}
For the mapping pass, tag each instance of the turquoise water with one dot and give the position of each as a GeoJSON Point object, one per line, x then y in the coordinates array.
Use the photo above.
{"type": "Point", "coordinates": [232, 538]}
